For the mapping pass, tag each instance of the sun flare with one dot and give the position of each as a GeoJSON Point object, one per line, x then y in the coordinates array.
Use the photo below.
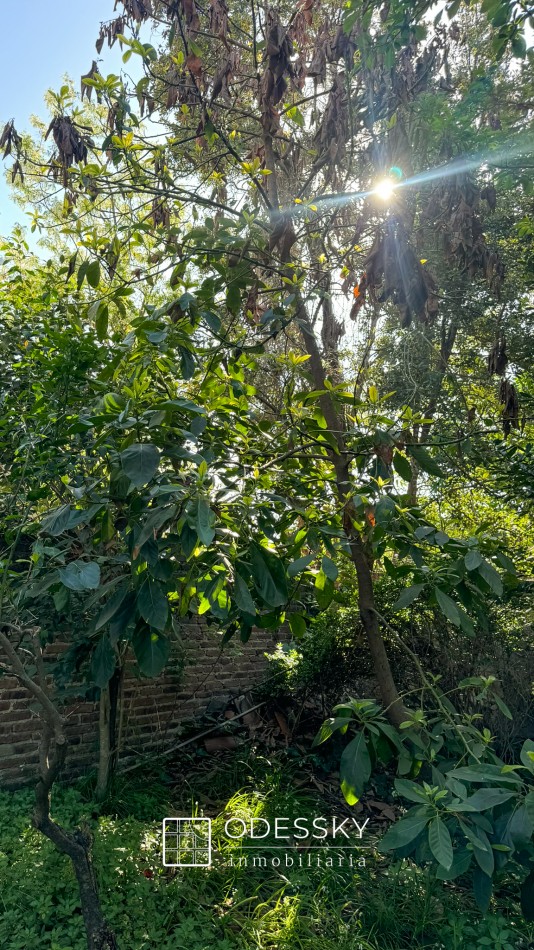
{"type": "Point", "coordinates": [384, 189]}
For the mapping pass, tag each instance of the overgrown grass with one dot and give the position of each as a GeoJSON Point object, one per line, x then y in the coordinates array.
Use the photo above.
{"type": "Point", "coordinates": [376, 907]}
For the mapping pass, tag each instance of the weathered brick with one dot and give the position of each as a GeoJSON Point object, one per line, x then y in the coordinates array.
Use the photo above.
{"type": "Point", "coordinates": [153, 710]}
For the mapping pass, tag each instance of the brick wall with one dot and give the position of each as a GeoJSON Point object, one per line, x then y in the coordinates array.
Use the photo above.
{"type": "Point", "coordinates": [198, 676]}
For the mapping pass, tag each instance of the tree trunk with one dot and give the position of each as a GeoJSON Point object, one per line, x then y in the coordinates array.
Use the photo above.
{"type": "Point", "coordinates": [107, 734]}
{"type": "Point", "coordinates": [283, 235]}
{"type": "Point", "coordinates": [393, 704]}
{"type": "Point", "coordinates": [52, 754]}
{"type": "Point", "coordinates": [104, 745]}
{"type": "Point", "coordinates": [76, 845]}
{"type": "Point", "coordinates": [99, 935]}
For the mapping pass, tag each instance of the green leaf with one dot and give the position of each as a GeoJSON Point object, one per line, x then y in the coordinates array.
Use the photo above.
{"type": "Point", "coordinates": [297, 625]}
{"type": "Point", "coordinates": [61, 599]}
{"type": "Point", "coordinates": [473, 559]}
{"type": "Point", "coordinates": [101, 322]}
{"type": "Point", "coordinates": [355, 768]}
{"type": "Point", "coordinates": [482, 888]}
{"type": "Point", "coordinates": [402, 466]}
{"type": "Point", "coordinates": [181, 403]}
{"type": "Point", "coordinates": [527, 897]}
{"type": "Point", "coordinates": [140, 462]}
{"type": "Point", "coordinates": [385, 510]}
{"type": "Point", "coordinates": [529, 806]}
{"type": "Point", "coordinates": [324, 590]}
{"type": "Point", "coordinates": [521, 825]}
{"type": "Point", "coordinates": [187, 362]}
{"type": "Point", "coordinates": [492, 577]}
{"type": "Point", "coordinates": [483, 773]}
{"type": "Point", "coordinates": [403, 832]}
{"type": "Point", "coordinates": [330, 726]}
{"type": "Point", "coordinates": [245, 632]}
{"type": "Point", "coordinates": [92, 274]}
{"type": "Point", "coordinates": [452, 8]}
{"type": "Point", "coordinates": [502, 706]}
{"type": "Point", "coordinates": [484, 798]}
{"type": "Point", "coordinates": [448, 607]}
{"type": "Point", "coordinates": [204, 520]}
{"type": "Point", "coordinates": [440, 842]}
{"type": "Point", "coordinates": [56, 522]}
{"type": "Point", "coordinates": [329, 568]}
{"type": "Point", "coordinates": [505, 562]}
{"type": "Point", "coordinates": [425, 460]}
{"type": "Point", "coordinates": [296, 567]}
{"type": "Point", "coordinates": [82, 272]}
{"type": "Point", "coordinates": [233, 298]}
{"type": "Point", "coordinates": [411, 791]}
{"type": "Point", "coordinates": [112, 607]}
{"type": "Point", "coordinates": [80, 575]}
{"type": "Point", "coordinates": [122, 617]}
{"type": "Point", "coordinates": [460, 863]}
{"type": "Point", "coordinates": [152, 604]}
{"type": "Point", "coordinates": [151, 650]}
{"type": "Point", "coordinates": [519, 46]}
{"type": "Point", "coordinates": [103, 662]}
{"type": "Point", "coordinates": [155, 520]}
{"type": "Point", "coordinates": [242, 596]}
{"type": "Point", "coordinates": [482, 849]}
{"type": "Point", "coordinates": [295, 115]}
{"type": "Point", "coordinates": [373, 394]}
{"type": "Point", "coordinates": [269, 576]}
{"type": "Point", "coordinates": [527, 754]}
{"type": "Point", "coordinates": [407, 596]}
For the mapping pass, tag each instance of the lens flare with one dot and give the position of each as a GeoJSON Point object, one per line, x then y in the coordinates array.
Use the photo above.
{"type": "Point", "coordinates": [384, 189]}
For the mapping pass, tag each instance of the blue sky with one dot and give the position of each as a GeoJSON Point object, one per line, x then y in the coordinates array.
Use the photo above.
{"type": "Point", "coordinates": [42, 42]}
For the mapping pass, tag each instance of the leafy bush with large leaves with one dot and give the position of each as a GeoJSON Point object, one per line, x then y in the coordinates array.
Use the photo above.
{"type": "Point", "coordinates": [471, 815]}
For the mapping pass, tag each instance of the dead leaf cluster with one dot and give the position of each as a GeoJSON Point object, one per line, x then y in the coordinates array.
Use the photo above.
{"type": "Point", "coordinates": [497, 358]}
{"type": "Point", "coordinates": [10, 139]}
{"type": "Point", "coordinates": [71, 143]}
{"type": "Point", "coordinates": [510, 403]}
{"type": "Point", "coordinates": [394, 272]}
{"type": "Point", "coordinates": [110, 31]}
{"type": "Point", "coordinates": [137, 10]}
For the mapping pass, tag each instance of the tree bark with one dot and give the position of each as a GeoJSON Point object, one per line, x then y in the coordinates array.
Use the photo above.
{"type": "Point", "coordinates": [104, 745]}
{"type": "Point", "coordinates": [393, 704]}
{"type": "Point", "coordinates": [77, 846]}
{"type": "Point", "coordinates": [52, 754]}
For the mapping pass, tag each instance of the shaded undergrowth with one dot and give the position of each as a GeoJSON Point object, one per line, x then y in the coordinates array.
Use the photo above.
{"type": "Point", "coordinates": [229, 906]}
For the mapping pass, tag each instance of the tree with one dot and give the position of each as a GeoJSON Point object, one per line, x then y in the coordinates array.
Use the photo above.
{"type": "Point", "coordinates": [331, 99]}
{"type": "Point", "coordinates": [307, 223]}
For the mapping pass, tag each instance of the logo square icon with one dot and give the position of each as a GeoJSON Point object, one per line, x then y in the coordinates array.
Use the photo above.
{"type": "Point", "coordinates": [187, 842]}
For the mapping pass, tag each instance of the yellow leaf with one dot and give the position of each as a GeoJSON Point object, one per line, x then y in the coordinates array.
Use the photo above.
{"type": "Point", "coordinates": [423, 260]}
{"type": "Point", "coordinates": [373, 394]}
